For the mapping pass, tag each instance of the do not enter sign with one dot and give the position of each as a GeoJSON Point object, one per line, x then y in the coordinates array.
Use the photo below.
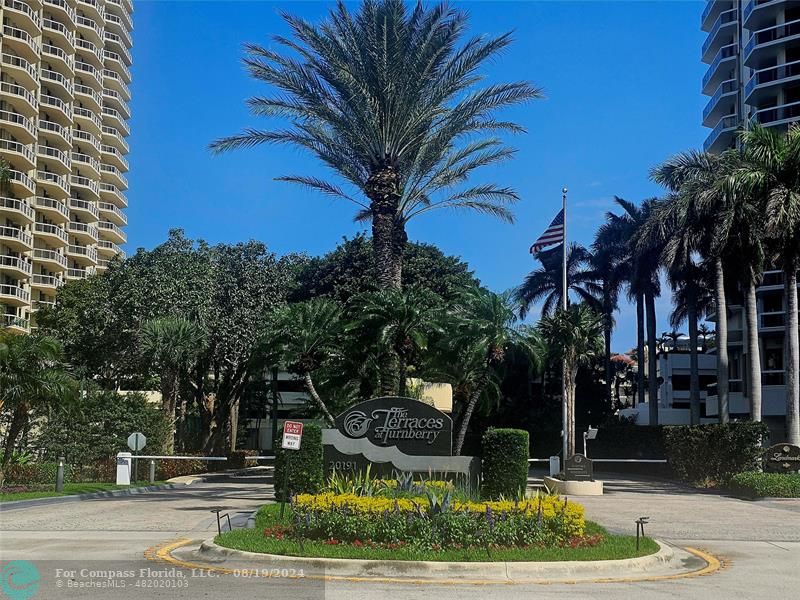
{"type": "Point", "coordinates": [292, 434]}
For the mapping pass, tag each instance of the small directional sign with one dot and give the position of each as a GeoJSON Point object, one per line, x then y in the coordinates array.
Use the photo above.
{"type": "Point", "coordinates": [136, 441]}
{"type": "Point", "coordinates": [292, 434]}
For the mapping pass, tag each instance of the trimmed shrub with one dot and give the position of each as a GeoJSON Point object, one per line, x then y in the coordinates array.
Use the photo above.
{"type": "Point", "coordinates": [754, 484]}
{"type": "Point", "coordinates": [710, 455]}
{"type": "Point", "coordinates": [504, 465]}
{"type": "Point", "coordinates": [305, 466]}
{"type": "Point", "coordinates": [167, 469]}
{"type": "Point", "coordinates": [238, 459]}
{"type": "Point", "coordinates": [36, 473]}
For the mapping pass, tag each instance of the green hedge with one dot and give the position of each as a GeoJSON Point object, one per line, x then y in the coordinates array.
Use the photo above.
{"type": "Point", "coordinates": [504, 466]}
{"type": "Point", "coordinates": [306, 466]}
{"type": "Point", "coordinates": [36, 473]}
{"type": "Point", "coordinates": [755, 484]}
{"type": "Point", "coordinates": [710, 455]}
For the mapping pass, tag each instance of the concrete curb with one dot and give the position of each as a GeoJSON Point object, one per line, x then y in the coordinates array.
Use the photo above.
{"type": "Point", "coordinates": [507, 572]}
{"type": "Point", "coordinates": [18, 504]}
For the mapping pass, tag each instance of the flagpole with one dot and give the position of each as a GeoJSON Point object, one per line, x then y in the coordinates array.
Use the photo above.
{"type": "Point", "coordinates": [564, 289]}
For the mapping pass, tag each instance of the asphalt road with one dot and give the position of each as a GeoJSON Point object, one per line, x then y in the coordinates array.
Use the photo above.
{"type": "Point", "coordinates": [96, 548]}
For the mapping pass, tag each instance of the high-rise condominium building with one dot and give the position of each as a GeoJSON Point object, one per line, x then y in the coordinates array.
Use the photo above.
{"type": "Point", "coordinates": [63, 122]}
{"type": "Point", "coordinates": [753, 53]}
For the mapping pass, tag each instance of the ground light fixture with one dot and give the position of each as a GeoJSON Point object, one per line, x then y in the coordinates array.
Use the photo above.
{"type": "Point", "coordinates": [589, 434]}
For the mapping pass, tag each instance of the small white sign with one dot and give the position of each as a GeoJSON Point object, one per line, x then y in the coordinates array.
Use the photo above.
{"type": "Point", "coordinates": [136, 441]}
{"type": "Point", "coordinates": [292, 434]}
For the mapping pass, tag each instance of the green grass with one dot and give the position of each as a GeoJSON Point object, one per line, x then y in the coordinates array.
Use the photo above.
{"type": "Point", "coordinates": [253, 540]}
{"type": "Point", "coordinates": [754, 484]}
{"type": "Point", "coordinates": [70, 489]}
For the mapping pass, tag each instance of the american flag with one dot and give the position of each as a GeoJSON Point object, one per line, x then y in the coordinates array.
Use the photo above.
{"type": "Point", "coordinates": [554, 234]}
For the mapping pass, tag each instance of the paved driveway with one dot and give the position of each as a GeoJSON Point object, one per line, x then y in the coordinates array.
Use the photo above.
{"type": "Point", "coordinates": [760, 542]}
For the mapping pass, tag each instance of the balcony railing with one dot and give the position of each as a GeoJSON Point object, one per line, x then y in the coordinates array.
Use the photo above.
{"type": "Point", "coordinates": [726, 18]}
{"type": "Point", "coordinates": [107, 227]}
{"type": "Point", "coordinates": [771, 74]}
{"type": "Point", "coordinates": [90, 47]}
{"type": "Point", "coordinates": [90, 24]}
{"type": "Point", "coordinates": [57, 180]}
{"type": "Point", "coordinates": [82, 181]}
{"type": "Point", "coordinates": [25, 9]}
{"type": "Point", "coordinates": [77, 227]}
{"type": "Point", "coordinates": [15, 233]}
{"type": "Point", "coordinates": [21, 63]}
{"type": "Point", "coordinates": [83, 205]}
{"type": "Point", "coordinates": [723, 53]}
{"type": "Point", "coordinates": [84, 251]}
{"type": "Point", "coordinates": [773, 377]}
{"type": "Point", "coordinates": [56, 103]}
{"type": "Point", "coordinates": [110, 208]}
{"type": "Point", "coordinates": [58, 53]}
{"type": "Point", "coordinates": [17, 90]}
{"type": "Point", "coordinates": [59, 28]}
{"type": "Point", "coordinates": [15, 33]}
{"type": "Point", "coordinates": [56, 77]}
{"type": "Point", "coordinates": [80, 111]}
{"type": "Point", "coordinates": [726, 87]}
{"type": "Point", "coordinates": [49, 255]}
{"type": "Point", "coordinates": [50, 229]}
{"type": "Point", "coordinates": [14, 322]}
{"type": "Point", "coordinates": [784, 112]}
{"type": "Point", "coordinates": [17, 263]}
{"type": "Point", "coordinates": [12, 146]}
{"type": "Point", "coordinates": [772, 319]}
{"type": "Point", "coordinates": [63, 5]}
{"type": "Point", "coordinates": [54, 153]}
{"type": "Point", "coordinates": [18, 206]}
{"type": "Point", "coordinates": [729, 122]}
{"type": "Point", "coordinates": [44, 203]}
{"type": "Point", "coordinates": [54, 127]}
{"type": "Point", "coordinates": [18, 119]}
{"type": "Point", "coordinates": [47, 281]}
{"type": "Point", "coordinates": [22, 179]}
{"type": "Point", "coordinates": [771, 34]}
{"type": "Point", "coordinates": [78, 273]}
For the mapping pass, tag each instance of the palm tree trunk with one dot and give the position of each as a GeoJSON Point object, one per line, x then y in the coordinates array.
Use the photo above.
{"type": "Point", "coordinates": [383, 190]}
{"type": "Point", "coordinates": [793, 358]}
{"type": "Point", "coordinates": [607, 309]}
{"type": "Point", "coordinates": [694, 367]}
{"type": "Point", "coordinates": [168, 388]}
{"type": "Point", "coordinates": [652, 365]}
{"type": "Point", "coordinates": [312, 391]}
{"type": "Point", "coordinates": [14, 429]}
{"type": "Point", "coordinates": [402, 373]}
{"type": "Point", "coordinates": [722, 341]}
{"type": "Point", "coordinates": [640, 347]}
{"type": "Point", "coordinates": [462, 430]}
{"type": "Point", "coordinates": [233, 425]}
{"type": "Point", "coordinates": [753, 353]}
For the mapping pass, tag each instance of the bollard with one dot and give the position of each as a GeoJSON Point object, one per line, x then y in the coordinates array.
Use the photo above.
{"type": "Point", "coordinates": [152, 471]}
{"type": "Point", "coordinates": [60, 475]}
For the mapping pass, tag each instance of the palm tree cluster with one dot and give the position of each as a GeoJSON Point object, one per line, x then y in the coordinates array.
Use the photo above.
{"type": "Point", "coordinates": [724, 220]}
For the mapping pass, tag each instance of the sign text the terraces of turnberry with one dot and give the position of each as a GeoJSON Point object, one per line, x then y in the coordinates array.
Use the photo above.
{"type": "Point", "coordinates": [411, 425]}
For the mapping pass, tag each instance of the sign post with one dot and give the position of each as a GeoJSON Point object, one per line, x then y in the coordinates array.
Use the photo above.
{"type": "Point", "coordinates": [136, 442]}
{"type": "Point", "coordinates": [292, 436]}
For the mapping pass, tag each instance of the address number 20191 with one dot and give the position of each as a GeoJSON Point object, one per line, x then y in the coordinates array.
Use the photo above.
{"type": "Point", "coordinates": [343, 465]}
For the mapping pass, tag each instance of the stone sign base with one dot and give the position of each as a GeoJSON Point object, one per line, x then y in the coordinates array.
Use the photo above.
{"type": "Point", "coordinates": [574, 488]}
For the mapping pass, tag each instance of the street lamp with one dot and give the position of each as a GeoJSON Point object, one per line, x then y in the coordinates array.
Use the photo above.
{"type": "Point", "coordinates": [589, 434]}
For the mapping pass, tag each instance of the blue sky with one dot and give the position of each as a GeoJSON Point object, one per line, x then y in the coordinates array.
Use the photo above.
{"type": "Point", "coordinates": [622, 85]}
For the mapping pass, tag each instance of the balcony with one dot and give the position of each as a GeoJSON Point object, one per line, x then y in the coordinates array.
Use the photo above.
{"type": "Point", "coordinates": [712, 11]}
{"type": "Point", "coordinates": [720, 69]}
{"type": "Point", "coordinates": [23, 42]}
{"type": "Point", "coordinates": [15, 324]}
{"type": "Point", "coordinates": [114, 99]}
{"type": "Point", "coordinates": [771, 321]}
{"type": "Point", "coordinates": [57, 56]}
{"type": "Point", "coordinates": [112, 174]}
{"type": "Point", "coordinates": [762, 39]}
{"type": "Point", "coordinates": [52, 129]}
{"type": "Point", "coordinates": [92, 8]}
{"type": "Point", "coordinates": [52, 233]}
{"type": "Point", "coordinates": [720, 34]}
{"type": "Point", "coordinates": [86, 163]}
{"type": "Point", "coordinates": [46, 282]}
{"type": "Point", "coordinates": [112, 155]}
{"type": "Point", "coordinates": [85, 210]}
{"type": "Point", "coordinates": [723, 102]}
{"type": "Point", "coordinates": [121, 25]}
{"type": "Point", "coordinates": [55, 210]}
{"type": "Point", "coordinates": [93, 51]}
{"type": "Point", "coordinates": [722, 136]}
{"type": "Point", "coordinates": [24, 71]}
{"type": "Point", "coordinates": [19, 153]}
{"type": "Point", "coordinates": [57, 108]}
{"type": "Point", "coordinates": [16, 209]}
{"type": "Point", "coordinates": [112, 79]}
{"type": "Point", "coordinates": [763, 82]}
{"type": "Point", "coordinates": [111, 192]}
{"type": "Point", "coordinates": [114, 137]}
{"type": "Point", "coordinates": [773, 377]}
{"type": "Point", "coordinates": [61, 8]}
{"type": "Point", "coordinates": [14, 295]}
{"type": "Point", "coordinates": [108, 248]}
{"type": "Point", "coordinates": [80, 135]}
{"type": "Point", "coordinates": [88, 72]}
{"type": "Point", "coordinates": [777, 115]}
{"type": "Point", "coordinates": [82, 254]}
{"type": "Point", "coordinates": [78, 273]}
{"type": "Point", "coordinates": [87, 185]}
{"type": "Point", "coordinates": [112, 232]}
{"type": "Point", "coordinates": [59, 32]}
{"type": "Point", "coordinates": [22, 11]}
{"type": "Point", "coordinates": [760, 13]}
{"type": "Point", "coordinates": [89, 96]}
{"type": "Point", "coordinates": [114, 61]}
{"type": "Point", "coordinates": [56, 160]}
{"type": "Point", "coordinates": [116, 119]}
{"type": "Point", "coordinates": [16, 266]}
{"type": "Point", "coordinates": [117, 49]}
{"type": "Point", "coordinates": [16, 238]}
{"type": "Point", "coordinates": [55, 184]}
{"type": "Point", "coordinates": [25, 102]}
{"type": "Point", "coordinates": [112, 214]}
{"type": "Point", "coordinates": [83, 231]}
{"type": "Point", "coordinates": [58, 80]}
{"type": "Point", "coordinates": [123, 10]}
{"type": "Point", "coordinates": [90, 28]}
{"type": "Point", "coordinates": [88, 119]}
{"type": "Point", "coordinates": [21, 185]}
{"type": "Point", "coordinates": [53, 260]}
{"type": "Point", "coordinates": [19, 125]}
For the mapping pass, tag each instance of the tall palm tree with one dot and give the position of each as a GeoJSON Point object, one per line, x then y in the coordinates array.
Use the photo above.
{"type": "Point", "coordinates": [403, 322]}
{"type": "Point", "coordinates": [486, 325]}
{"type": "Point", "coordinates": [639, 268]}
{"type": "Point", "coordinates": [387, 99]}
{"type": "Point", "coordinates": [725, 224]}
{"type": "Point", "coordinates": [171, 345]}
{"type": "Point", "coordinates": [575, 338]}
{"type": "Point", "coordinates": [770, 170]}
{"type": "Point", "coordinates": [307, 335]}
{"type": "Point", "coordinates": [546, 282]}
{"type": "Point", "coordinates": [32, 373]}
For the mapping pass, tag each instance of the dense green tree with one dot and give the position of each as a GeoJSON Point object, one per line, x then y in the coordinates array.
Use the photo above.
{"type": "Point", "coordinates": [32, 374]}
{"type": "Point", "coordinates": [387, 99]}
{"type": "Point", "coordinates": [546, 283]}
{"type": "Point", "coordinates": [574, 338]}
